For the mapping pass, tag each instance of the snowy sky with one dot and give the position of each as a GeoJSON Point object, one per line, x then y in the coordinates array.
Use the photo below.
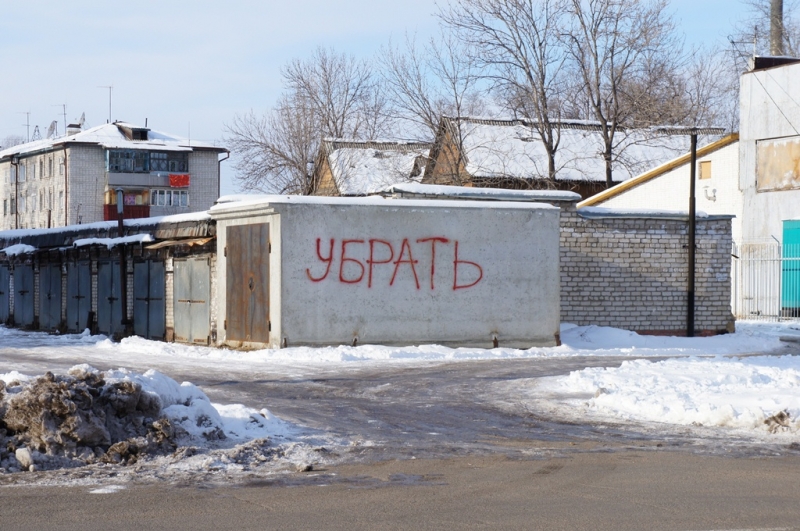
{"type": "Point", "coordinates": [189, 67]}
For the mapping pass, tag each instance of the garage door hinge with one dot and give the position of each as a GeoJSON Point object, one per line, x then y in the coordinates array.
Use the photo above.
{"type": "Point", "coordinates": [269, 326]}
{"type": "Point", "coordinates": [225, 251]}
{"type": "Point", "coordinates": [225, 324]}
{"type": "Point", "coordinates": [269, 247]}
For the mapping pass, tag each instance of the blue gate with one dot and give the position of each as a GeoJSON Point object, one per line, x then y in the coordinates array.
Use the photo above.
{"type": "Point", "coordinates": [790, 270]}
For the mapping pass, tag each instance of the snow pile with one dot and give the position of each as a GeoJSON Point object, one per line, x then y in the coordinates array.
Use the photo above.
{"type": "Point", "coordinates": [759, 394]}
{"type": "Point", "coordinates": [85, 417]}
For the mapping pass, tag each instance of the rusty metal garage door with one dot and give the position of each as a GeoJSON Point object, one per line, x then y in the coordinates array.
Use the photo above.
{"type": "Point", "coordinates": [191, 297]}
{"type": "Point", "coordinates": [109, 305]}
{"type": "Point", "coordinates": [149, 316]}
{"type": "Point", "coordinates": [5, 299]}
{"type": "Point", "coordinates": [79, 296]}
{"type": "Point", "coordinates": [49, 296]}
{"type": "Point", "coordinates": [23, 295]}
{"type": "Point", "coordinates": [247, 313]}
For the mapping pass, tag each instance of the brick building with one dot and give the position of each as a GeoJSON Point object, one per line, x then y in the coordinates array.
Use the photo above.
{"type": "Point", "coordinates": [72, 179]}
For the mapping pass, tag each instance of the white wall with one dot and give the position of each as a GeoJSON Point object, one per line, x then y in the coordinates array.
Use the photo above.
{"type": "Point", "coordinates": [770, 108]}
{"type": "Point", "coordinates": [718, 195]}
{"type": "Point", "coordinates": [515, 296]}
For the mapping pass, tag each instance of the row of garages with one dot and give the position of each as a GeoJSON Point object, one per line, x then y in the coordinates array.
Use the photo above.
{"type": "Point", "coordinates": [73, 287]}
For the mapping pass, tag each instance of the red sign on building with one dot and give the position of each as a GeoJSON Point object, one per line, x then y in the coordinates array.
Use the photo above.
{"type": "Point", "coordinates": [179, 180]}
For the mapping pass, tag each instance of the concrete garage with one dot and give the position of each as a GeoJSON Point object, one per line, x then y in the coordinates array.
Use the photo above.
{"type": "Point", "coordinates": [299, 270]}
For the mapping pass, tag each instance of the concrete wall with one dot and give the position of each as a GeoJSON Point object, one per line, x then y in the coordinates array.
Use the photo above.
{"type": "Point", "coordinates": [507, 284]}
{"type": "Point", "coordinates": [631, 273]}
{"type": "Point", "coordinates": [719, 194]}
{"type": "Point", "coordinates": [769, 110]}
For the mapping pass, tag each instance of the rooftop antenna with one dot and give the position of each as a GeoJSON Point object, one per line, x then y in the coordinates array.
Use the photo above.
{"type": "Point", "coordinates": [63, 113]}
{"type": "Point", "coordinates": [27, 124]}
{"type": "Point", "coordinates": [110, 88]}
{"type": "Point", "coordinates": [36, 134]}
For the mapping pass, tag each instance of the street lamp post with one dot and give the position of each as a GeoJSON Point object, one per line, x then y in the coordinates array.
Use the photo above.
{"type": "Point", "coordinates": [123, 269]}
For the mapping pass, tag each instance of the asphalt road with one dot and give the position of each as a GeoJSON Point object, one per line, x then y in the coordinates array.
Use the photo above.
{"type": "Point", "coordinates": [448, 450]}
{"type": "Point", "coordinates": [630, 490]}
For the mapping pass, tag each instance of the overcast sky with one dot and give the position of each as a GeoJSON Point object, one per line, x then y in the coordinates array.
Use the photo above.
{"type": "Point", "coordinates": [189, 66]}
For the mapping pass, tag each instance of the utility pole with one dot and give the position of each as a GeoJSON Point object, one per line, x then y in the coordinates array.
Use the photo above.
{"type": "Point", "coordinates": [692, 221]}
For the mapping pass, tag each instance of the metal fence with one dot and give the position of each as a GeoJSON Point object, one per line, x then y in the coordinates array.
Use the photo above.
{"type": "Point", "coordinates": [766, 281]}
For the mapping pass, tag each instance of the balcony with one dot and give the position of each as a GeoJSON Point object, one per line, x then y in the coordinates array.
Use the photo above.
{"type": "Point", "coordinates": [128, 212]}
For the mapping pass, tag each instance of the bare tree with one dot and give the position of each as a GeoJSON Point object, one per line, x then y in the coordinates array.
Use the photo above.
{"type": "Point", "coordinates": [427, 83]}
{"type": "Point", "coordinates": [612, 44]}
{"type": "Point", "coordinates": [516, 43]}
{"type": "Point", "coordinates": [12, 140]}
{"type": "Point", "coordinates": [326, 95]}
{"type": "Point", "coordinates": [753, 34]}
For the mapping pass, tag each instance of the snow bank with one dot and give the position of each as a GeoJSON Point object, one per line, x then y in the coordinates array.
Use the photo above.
{"type": "Point", "coordinates": [754, 393]}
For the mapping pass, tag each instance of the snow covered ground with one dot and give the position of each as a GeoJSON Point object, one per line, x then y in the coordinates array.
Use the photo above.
{"type": "Point", "coordinates": [724, 381]}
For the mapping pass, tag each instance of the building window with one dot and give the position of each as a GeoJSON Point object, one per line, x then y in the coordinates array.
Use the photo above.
{"type": "Point", "coordinates": [60, 200]}
{"type": "Point", "coordinates": [127, 161]}
{"type": "Point", "coordinates": [173, 198]}
{"type": "Point", "coordinates": [172, 161]}
{"type": "Point", "coordinates": [50, 167]}
{"type": "Point", "coordinates": [13, 207]}
{"type": "Point", "coordinates": [21, 169]}
{"type": "Point", "coordinates": [41, 168]}
{"type": "Point", "coordinates": [22, 204]}
{"type": "Point", "coordinates": [61, 165]}
{"type": "Point", "coordinates": [705, 169]}
{"type": "Point", "coordinates": [5, 207]}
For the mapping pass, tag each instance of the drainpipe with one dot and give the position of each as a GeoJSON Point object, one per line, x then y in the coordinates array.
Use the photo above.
{"type": "Point", "coordinates": [66, 188]}
{"type": "Point", "coordinates": [219, 172]}
{"type": "Point", "coordinates": [15, 163]}
{"type": "Point", "coordinates": [692, 227]}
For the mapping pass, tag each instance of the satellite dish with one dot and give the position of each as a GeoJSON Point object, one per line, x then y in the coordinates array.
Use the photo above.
{"type": "Point", "coordinates": [51, 131]}
{"type": "Point", "coordinates": [82, 120]}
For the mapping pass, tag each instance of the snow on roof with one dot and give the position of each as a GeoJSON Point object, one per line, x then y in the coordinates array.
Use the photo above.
{"type": "Point", "coordinates": [489, 194]}
{"type": "Point", "coordinates": [238, 202]}
{"type": "Point", "coordinates": [105, 225]}
{"type": "Point", "coordinates": [113, 242]}
{"type": "Point", "coordinates": [512, 148]}
{"type": "Point", "coordinates": [17, 249]}
{"type": "Point", "coordinates": [111, 136]}
{"type": "Point", "coordinates": [362, 168]}
{"type": "Point", "coordinates": [682, 215]}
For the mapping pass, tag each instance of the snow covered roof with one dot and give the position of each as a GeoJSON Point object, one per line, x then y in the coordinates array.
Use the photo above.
{"type": "Point", "coordinates": [495, 148]}
{"type": "Point", "coordinates": [189, 225]}
{"type": "Point", "coordinates": [113, 136]}
{"type": "Point", "coordinates": [646, 213]}
{"type": "Point", "coordinates": [684, 159]}
{"type": "Point", "coordinates": [362, 168]}
{"type": "Point", "coordinates": [484, 194]}
{"type": "Point", "coordinates": [238, 203]}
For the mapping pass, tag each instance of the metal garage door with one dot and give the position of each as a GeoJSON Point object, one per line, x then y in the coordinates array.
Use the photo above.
{"type": "Point", "coordinates": [79, 296]}
{"type": "Point", "coordinates": [247, 279]}
{"type": "Point", "coordinates": [23, 295]}
{"type": "Point", "coordinates": [109, 304]}
{"type": "Point", "coordinates": [191, 297]}
{"type": "Point", "coordinates": [50, 296]}
{"type": "Point", "coordinates": [5, 299]}
{"type": "Point", "coordinates": [148, 299]}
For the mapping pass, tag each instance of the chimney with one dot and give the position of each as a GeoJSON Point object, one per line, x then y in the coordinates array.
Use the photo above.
{"type": "Point", "coordinates": [776, 28]}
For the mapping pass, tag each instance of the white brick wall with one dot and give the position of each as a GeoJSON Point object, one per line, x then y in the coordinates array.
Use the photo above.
{"type": "Point", "coordinates": [632, 273]}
